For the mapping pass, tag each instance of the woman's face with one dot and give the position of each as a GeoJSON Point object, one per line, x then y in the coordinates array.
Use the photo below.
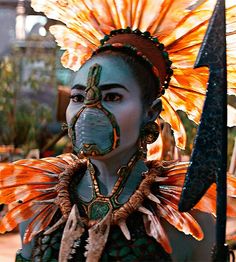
{"type": "Point", "coordinates": [121, 96]}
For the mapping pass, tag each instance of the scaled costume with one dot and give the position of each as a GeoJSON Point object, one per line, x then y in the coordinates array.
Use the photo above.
{"type": "Point", "coordinates": [167, 40]}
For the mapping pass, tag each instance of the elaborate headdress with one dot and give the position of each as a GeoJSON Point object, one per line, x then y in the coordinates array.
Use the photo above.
{"type": "Point", "coordinates": [159, 31]}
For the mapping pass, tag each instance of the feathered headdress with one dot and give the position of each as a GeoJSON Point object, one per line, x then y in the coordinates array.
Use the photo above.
{"type": "Point", "coordinates": [176, 28]}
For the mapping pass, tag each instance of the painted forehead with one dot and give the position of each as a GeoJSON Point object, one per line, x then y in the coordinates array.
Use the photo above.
{"type": "Point", "coordinates": [114, 71]}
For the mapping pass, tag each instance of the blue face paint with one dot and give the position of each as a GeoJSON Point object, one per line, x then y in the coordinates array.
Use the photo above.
{"type": "Point", "coordinates": [94, 130]}
{"type": "Point", "coordinates": [121, 96]}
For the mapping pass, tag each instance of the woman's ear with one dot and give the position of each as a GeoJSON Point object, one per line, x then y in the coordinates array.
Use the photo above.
{"type": "Point", "coordinates": [154, 110]}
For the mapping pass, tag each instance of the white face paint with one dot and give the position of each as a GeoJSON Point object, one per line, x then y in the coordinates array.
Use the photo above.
{"type": "Point", "coordinates": [121, 96]}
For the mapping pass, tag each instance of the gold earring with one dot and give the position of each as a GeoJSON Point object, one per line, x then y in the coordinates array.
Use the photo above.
{"type": "Point", "coordinates": [149, 133]}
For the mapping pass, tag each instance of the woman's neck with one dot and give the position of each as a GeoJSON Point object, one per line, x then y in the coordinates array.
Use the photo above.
{"type": "Point", "coordinates": [108, 168]}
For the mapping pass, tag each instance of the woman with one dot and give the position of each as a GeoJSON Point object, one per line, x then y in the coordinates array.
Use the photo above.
{"type": "Point", "coordinates": [113, 177]}
{"type": "Point", "coordinates": [106, 202]}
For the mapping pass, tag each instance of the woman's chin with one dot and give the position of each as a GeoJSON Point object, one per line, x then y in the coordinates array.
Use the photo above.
{"type": "Point", "coordinates": [119, 152]}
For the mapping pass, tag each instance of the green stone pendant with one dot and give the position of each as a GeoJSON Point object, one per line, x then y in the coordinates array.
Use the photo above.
{"type": "Point", "coordinates": [98, 209]}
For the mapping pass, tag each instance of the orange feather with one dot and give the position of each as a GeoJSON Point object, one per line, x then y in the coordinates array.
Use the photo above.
{"type": "Point", "coordinates": [21, 212]}
{"type": "Point", "coordinates": [21, 193]}
{"type": "Point", "coordinates": [25, 182]}
{"type": "Point", "coordinates": [39, 164]}
{"type": "Point", "coordinates": [14, 175]}
{"type": "Point", "coordinates": [40, 222]}
{"type": "Point", "coordinates": [154, 229]}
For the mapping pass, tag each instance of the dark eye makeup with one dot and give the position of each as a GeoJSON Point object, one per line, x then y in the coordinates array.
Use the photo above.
{"type": "Point", "coordinates": [109, 97]}
{"type": "Point", "coordinates": [78, 98]}
{"type": "Point", "coordinates": [112, 97]}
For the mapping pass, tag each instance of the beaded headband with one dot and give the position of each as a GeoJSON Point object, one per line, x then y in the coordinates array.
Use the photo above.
{"type": "Point", "coordinates": [143, 45]}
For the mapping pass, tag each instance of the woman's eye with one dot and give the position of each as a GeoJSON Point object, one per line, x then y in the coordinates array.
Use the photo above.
{"type": "Point", "coordinates": [112, 97]}
{"type": "Point", "coordinates": [77, 98]}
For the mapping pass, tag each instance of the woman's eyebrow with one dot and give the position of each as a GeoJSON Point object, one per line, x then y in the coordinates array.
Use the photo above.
{"type": "Point", "coordinates": [79, 87]}
{"type": "Point", "coordinates": [112, 86]}
{"type": "Point", "coordinates": [102, 87]}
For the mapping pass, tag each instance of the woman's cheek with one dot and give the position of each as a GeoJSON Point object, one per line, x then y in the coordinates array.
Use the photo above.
{"type": "Point", "coordinates": [68, 113]}
{"type": "Point", "coordinates": [72, 110]}
{"type": "Point", "coordinates": [129, 121]}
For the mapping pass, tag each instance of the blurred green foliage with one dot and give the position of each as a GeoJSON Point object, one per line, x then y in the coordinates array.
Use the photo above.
{"type": "Point", "coordinates": [191, 131]}
{"type": "Point", "coordinates": [25, 69]}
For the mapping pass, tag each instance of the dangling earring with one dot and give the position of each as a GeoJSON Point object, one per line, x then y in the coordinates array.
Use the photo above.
{"type": "Point", "coordinates": [148, 135]}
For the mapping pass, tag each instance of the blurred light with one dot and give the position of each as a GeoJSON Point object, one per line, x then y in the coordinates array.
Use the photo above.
{"type": "Point", "coordinates": [42, 31]}
{"type": "Point", "coordinates": [32, 20]}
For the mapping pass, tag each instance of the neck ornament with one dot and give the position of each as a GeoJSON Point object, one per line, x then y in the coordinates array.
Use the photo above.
{"type": "Point", "coordinates": [101, 205]}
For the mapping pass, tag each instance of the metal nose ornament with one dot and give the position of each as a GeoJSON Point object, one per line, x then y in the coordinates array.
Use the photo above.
{"type": "Point", "coordinates": [94, 129]}
{"type": "Point", "coordinates": [93, 92]}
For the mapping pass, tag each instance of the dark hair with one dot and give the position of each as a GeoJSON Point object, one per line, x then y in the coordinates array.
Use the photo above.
{"type": "Point", "coordinates": [149, 83]}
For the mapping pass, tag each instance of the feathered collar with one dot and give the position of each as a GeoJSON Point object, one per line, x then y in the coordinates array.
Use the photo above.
{"type": "Point", "coordinates": [40, 187]}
